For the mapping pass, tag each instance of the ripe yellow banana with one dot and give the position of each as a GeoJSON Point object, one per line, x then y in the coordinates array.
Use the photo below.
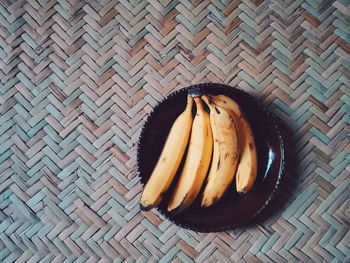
{"type": "Point", "coordinates": [248, 165]}
{"type": "Point", "coordinates": [225, 154]}
{"type": "Point", "coordinates": [169, 160]}
{"type": "Point", "coordinates": [196, 164]}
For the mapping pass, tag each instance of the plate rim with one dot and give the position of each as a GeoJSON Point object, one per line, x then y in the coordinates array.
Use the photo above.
{"type": "Point", "coordinates": [281, 142]}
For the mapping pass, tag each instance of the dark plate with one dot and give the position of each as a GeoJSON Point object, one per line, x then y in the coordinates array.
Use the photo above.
{"type": "Point", "coordinates": [233, 209]}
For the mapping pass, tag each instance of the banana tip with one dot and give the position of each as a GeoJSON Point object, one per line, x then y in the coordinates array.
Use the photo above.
{"type": "Point", "coordinates": [145, 208]}
{"type": "Point", "coordinates": [207, 99]}
{"type": "Point", "coordinates": [194, 93]}
{"type": "Point", "coordinates": [204, 204]}
{"type": "Point", "coordinates": [175, 210]}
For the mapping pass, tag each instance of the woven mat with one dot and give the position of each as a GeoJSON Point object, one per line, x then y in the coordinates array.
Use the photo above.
{"type": "Point", "coordinates": [78, 79]}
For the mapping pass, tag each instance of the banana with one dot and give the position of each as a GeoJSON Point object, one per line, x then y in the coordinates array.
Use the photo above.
{"type": "Point", "coordinates": [248, 165]}
{"type": "Point", "coordinates": [196, 164]}
{"type": "Point", "coordinates": [225, 154]}
{"type": "Point", "coordinates": [169, 160]}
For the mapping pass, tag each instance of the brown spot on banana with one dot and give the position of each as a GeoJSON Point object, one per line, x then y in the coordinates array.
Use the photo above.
{"type": "Point", "coordinates": [219, 163]}
{"type": "Point", "coordinates": [251, 146]}
{"type": "Point", "coordinates": [226, 155]}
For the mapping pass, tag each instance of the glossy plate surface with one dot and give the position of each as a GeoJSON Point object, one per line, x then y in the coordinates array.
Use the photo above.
{"type": "Point", "coordinates": [233, 209]}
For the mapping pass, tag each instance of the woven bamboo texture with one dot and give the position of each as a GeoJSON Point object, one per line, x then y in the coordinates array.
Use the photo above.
{"type": "Point", "coordinates": [78, 79]}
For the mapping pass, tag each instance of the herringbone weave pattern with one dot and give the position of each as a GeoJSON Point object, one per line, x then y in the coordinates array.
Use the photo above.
{"type": "Point", "coordinates": [78, 79]}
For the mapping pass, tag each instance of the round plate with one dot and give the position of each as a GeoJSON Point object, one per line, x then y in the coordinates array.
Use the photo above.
{"type": "Point", "coordinates": [233, 209]}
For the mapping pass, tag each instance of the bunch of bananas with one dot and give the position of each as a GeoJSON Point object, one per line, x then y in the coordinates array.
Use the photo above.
{"type": "Point", "coordinates": [220, 144]}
